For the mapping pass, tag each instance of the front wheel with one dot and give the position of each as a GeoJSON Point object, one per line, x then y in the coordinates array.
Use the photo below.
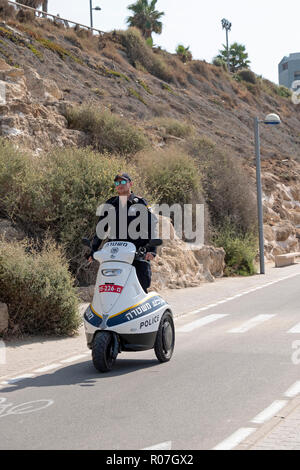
{"type": "Point", "coordinates": [165, 339]}
{"type": "Point", "coordinates": [103, 351]}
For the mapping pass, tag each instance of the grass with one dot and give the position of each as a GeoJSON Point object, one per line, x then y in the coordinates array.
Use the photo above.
{"type": "Point", "coordinates": [135, 94]}
{"type": "Point", "coordinates": [114, 73]}
{"type": "Point", "coordinates": [36, 52]}
{"type": "Point", "coordinates": [145, 86]}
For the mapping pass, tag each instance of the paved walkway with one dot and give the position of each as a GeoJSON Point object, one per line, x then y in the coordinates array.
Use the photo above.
{"type": "Point", "coordinates": [282, 432]}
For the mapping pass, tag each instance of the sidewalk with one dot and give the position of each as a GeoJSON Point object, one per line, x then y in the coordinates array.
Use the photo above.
{"type": "Point", "coordinates": [281, 432]}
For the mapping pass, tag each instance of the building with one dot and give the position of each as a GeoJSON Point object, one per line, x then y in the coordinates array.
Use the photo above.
{"type": "Point", "coordinates": [289, 70]}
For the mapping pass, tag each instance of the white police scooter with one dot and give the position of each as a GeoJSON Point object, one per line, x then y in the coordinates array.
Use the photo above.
{"type": "Point", "coordinates": [122, 317]}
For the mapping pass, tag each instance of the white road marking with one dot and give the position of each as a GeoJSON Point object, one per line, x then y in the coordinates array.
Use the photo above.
{"type": "Point", "coordinates": [251, 323]}
{"type": "Point", "coordinates": [200, 322]}
{"type": "Point", "coordinates": [235, 439]}
{"type": "Point", "coordinates": [73, 359]}
{"type": "Point", "coordinates": [46, 368]}
{"type": "Point", "coordinates": [295, 329]}
{"type": "Point", "coordinates": [162, 446]}
{"type": "Point", "coordinates": [294, 390]}
{"type": "Point", "coordinates": [269, 412]}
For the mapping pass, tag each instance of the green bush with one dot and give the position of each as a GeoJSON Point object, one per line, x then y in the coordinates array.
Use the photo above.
{"type": "Point", "coordinates": [284, 91]}
{"type": "Point", "coordinates": [171, 176]}
{"type": "Point", "coordinates": [108, 132]}
{"type": "Point", "coordinates": [218, 62]}
{"type": "Point", "coordinates": [58, 192]}
{"type": "Point", "coordinates": [38, 289]}
{"type": "Point", "coordinates": [240, 249]}
{"type": "Point", "coordinates": [174, 127]}
{"type": "Point", "coordinates": [227, 189]}
{"type": "Point", "coordinates": [246, 75]}
{"type": "Point", "coordinates": [139, 52]}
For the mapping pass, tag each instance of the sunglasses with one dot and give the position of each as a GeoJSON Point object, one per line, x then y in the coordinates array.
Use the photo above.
{"type": "Point", "coordinates": [117, 183]}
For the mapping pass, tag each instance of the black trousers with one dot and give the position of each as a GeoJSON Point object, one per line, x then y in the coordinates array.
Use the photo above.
{"type": "Point", "coordinates": [143, 272]}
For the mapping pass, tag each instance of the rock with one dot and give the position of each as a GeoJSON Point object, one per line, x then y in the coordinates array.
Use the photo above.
{"type": "Point", "coordinates": [3, 317]}
{"type": "Point", "coordinates": [179, 265]}
{"type": "Point", "coordinates": [268, 233]}
{"type": "Point", "coordinates": [86, 293]}
{"type": "Point", "coordinates": [9, 232]}
{"type": "Point", "coordinates": [52, 90]}
{"type": "Point", "coordinates": [283, 232]}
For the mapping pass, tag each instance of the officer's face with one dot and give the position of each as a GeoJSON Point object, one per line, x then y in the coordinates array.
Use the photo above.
{"type": "Point", "coordinates": [123, 189]}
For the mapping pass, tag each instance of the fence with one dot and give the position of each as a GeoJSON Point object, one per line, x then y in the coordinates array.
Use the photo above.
{"type": "Point", "coordinates": [64, 21]}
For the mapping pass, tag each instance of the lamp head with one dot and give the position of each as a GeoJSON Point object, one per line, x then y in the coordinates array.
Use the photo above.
{"type": "Point", "coordinates": [272, 119]}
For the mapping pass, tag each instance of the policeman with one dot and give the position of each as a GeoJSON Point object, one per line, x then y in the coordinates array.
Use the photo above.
{"type": "Point", "coordinates": [128, 201]}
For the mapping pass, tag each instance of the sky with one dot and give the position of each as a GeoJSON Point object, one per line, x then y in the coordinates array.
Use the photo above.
{"type": "Point", "coordinates": [269, 29]}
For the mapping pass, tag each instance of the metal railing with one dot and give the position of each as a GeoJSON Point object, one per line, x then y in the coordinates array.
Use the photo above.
{"type": "Point", "coordinates": [64, 21]}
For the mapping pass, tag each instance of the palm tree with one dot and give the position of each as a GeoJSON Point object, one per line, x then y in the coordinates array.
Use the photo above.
{"type": "Point", "coordinates": [238, 57]}
{"type": "Point", "coordinates": [145, 17]}
{"type": "Point", "coordinates": [184, 53]}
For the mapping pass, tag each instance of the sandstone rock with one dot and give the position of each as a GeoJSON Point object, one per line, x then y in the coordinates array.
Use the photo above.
{"type": "Point", "coordinates": [295, 216]}
{"type": "Point", "coordinates": [283, 232]}
{"type": "Point", "coordinates": [3, 317]}
{"type": "Point", "coordinates": [268, 233]}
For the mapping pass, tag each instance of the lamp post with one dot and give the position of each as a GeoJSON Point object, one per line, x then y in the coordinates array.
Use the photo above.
{"type": "Point", "coordinates": [270, 119]}
{"type": "Point", "coordinates": [91, 12]}
{"type": "Point", "coordinates": [227, 26]}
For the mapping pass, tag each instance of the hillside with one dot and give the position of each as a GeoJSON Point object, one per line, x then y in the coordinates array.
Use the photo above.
{"type": "Point", "coordinates": [47, 68]}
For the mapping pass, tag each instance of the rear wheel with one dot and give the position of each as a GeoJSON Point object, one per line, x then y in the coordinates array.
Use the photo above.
{"type": "Point", "coordinates": [165, 339]}
{"type": "Point", "coordinates": [102, 351]}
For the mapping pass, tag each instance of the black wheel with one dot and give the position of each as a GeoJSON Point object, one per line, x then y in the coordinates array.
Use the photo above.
{"type": "Point", "coordinates": [102, 351]}
{"type": "Point", "coordinates": [165, 339]}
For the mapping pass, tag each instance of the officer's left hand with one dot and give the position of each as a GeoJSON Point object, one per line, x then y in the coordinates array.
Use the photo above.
{"type": "Point", "coordinates": [149, 257]}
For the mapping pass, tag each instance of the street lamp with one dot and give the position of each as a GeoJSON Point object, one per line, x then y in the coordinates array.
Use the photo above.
{"type": "Point", "coordinates": [270, 119]}
{"type": "Point", "coordinates": [91, 12]}
{"type": "Point", "coordinates": [227, 25]}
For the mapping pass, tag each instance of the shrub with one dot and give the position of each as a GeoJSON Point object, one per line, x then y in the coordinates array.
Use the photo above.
{"type": "Point", "coordinates": [170, 175]}
{"type": "Point", "coordinates": [38, 289]}
{"type": "Point", "coordinates": [218, 62]}
{"type": "Point", "coordinates": [107, 132]}
{"type": "Point", "coordinates": [139, 52]}
{"type": "Point", "coordinates": [174, 127]}
{"type": "Point", "coordinates": [247, 76]}
{"type": "Point", "coordinates": [240, 249]}
{"type": "Point", "coordinates": [25, 16]}
{"type": "Point", "coordinates": [6, 10]}
{"type": "Point", "coordinates": [284, 91]}
{"type": "Point", "coordinates": [226, 185]}
{"type": "Point", "coordinates": [58, 192]}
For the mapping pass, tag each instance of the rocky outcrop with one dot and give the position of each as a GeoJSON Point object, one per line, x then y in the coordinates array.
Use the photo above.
{"type": "Point", "coordinates": [29, 110]}
{"type": "Point", "coordinates": [282, 217]}
{"type": "Point", "coordinates": [179, 264]}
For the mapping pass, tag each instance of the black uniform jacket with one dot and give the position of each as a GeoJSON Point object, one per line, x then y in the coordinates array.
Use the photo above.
{"type": "Point", "coordinates": [146, 231]}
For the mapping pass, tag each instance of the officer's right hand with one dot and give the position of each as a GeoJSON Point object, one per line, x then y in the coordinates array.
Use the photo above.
{"type": "Point", "coordinates": [90, 259]}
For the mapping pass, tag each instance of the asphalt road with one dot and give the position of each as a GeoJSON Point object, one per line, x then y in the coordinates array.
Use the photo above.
{"type": "Point", "coordinates": [232, 365]}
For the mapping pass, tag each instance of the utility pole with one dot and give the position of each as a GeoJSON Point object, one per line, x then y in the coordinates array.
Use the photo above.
{"type": "Point", "coordinates": [227, 26]}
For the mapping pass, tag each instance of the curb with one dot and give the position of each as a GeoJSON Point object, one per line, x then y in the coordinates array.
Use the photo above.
{"type": "Point", "coordinates": [268, 427]}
